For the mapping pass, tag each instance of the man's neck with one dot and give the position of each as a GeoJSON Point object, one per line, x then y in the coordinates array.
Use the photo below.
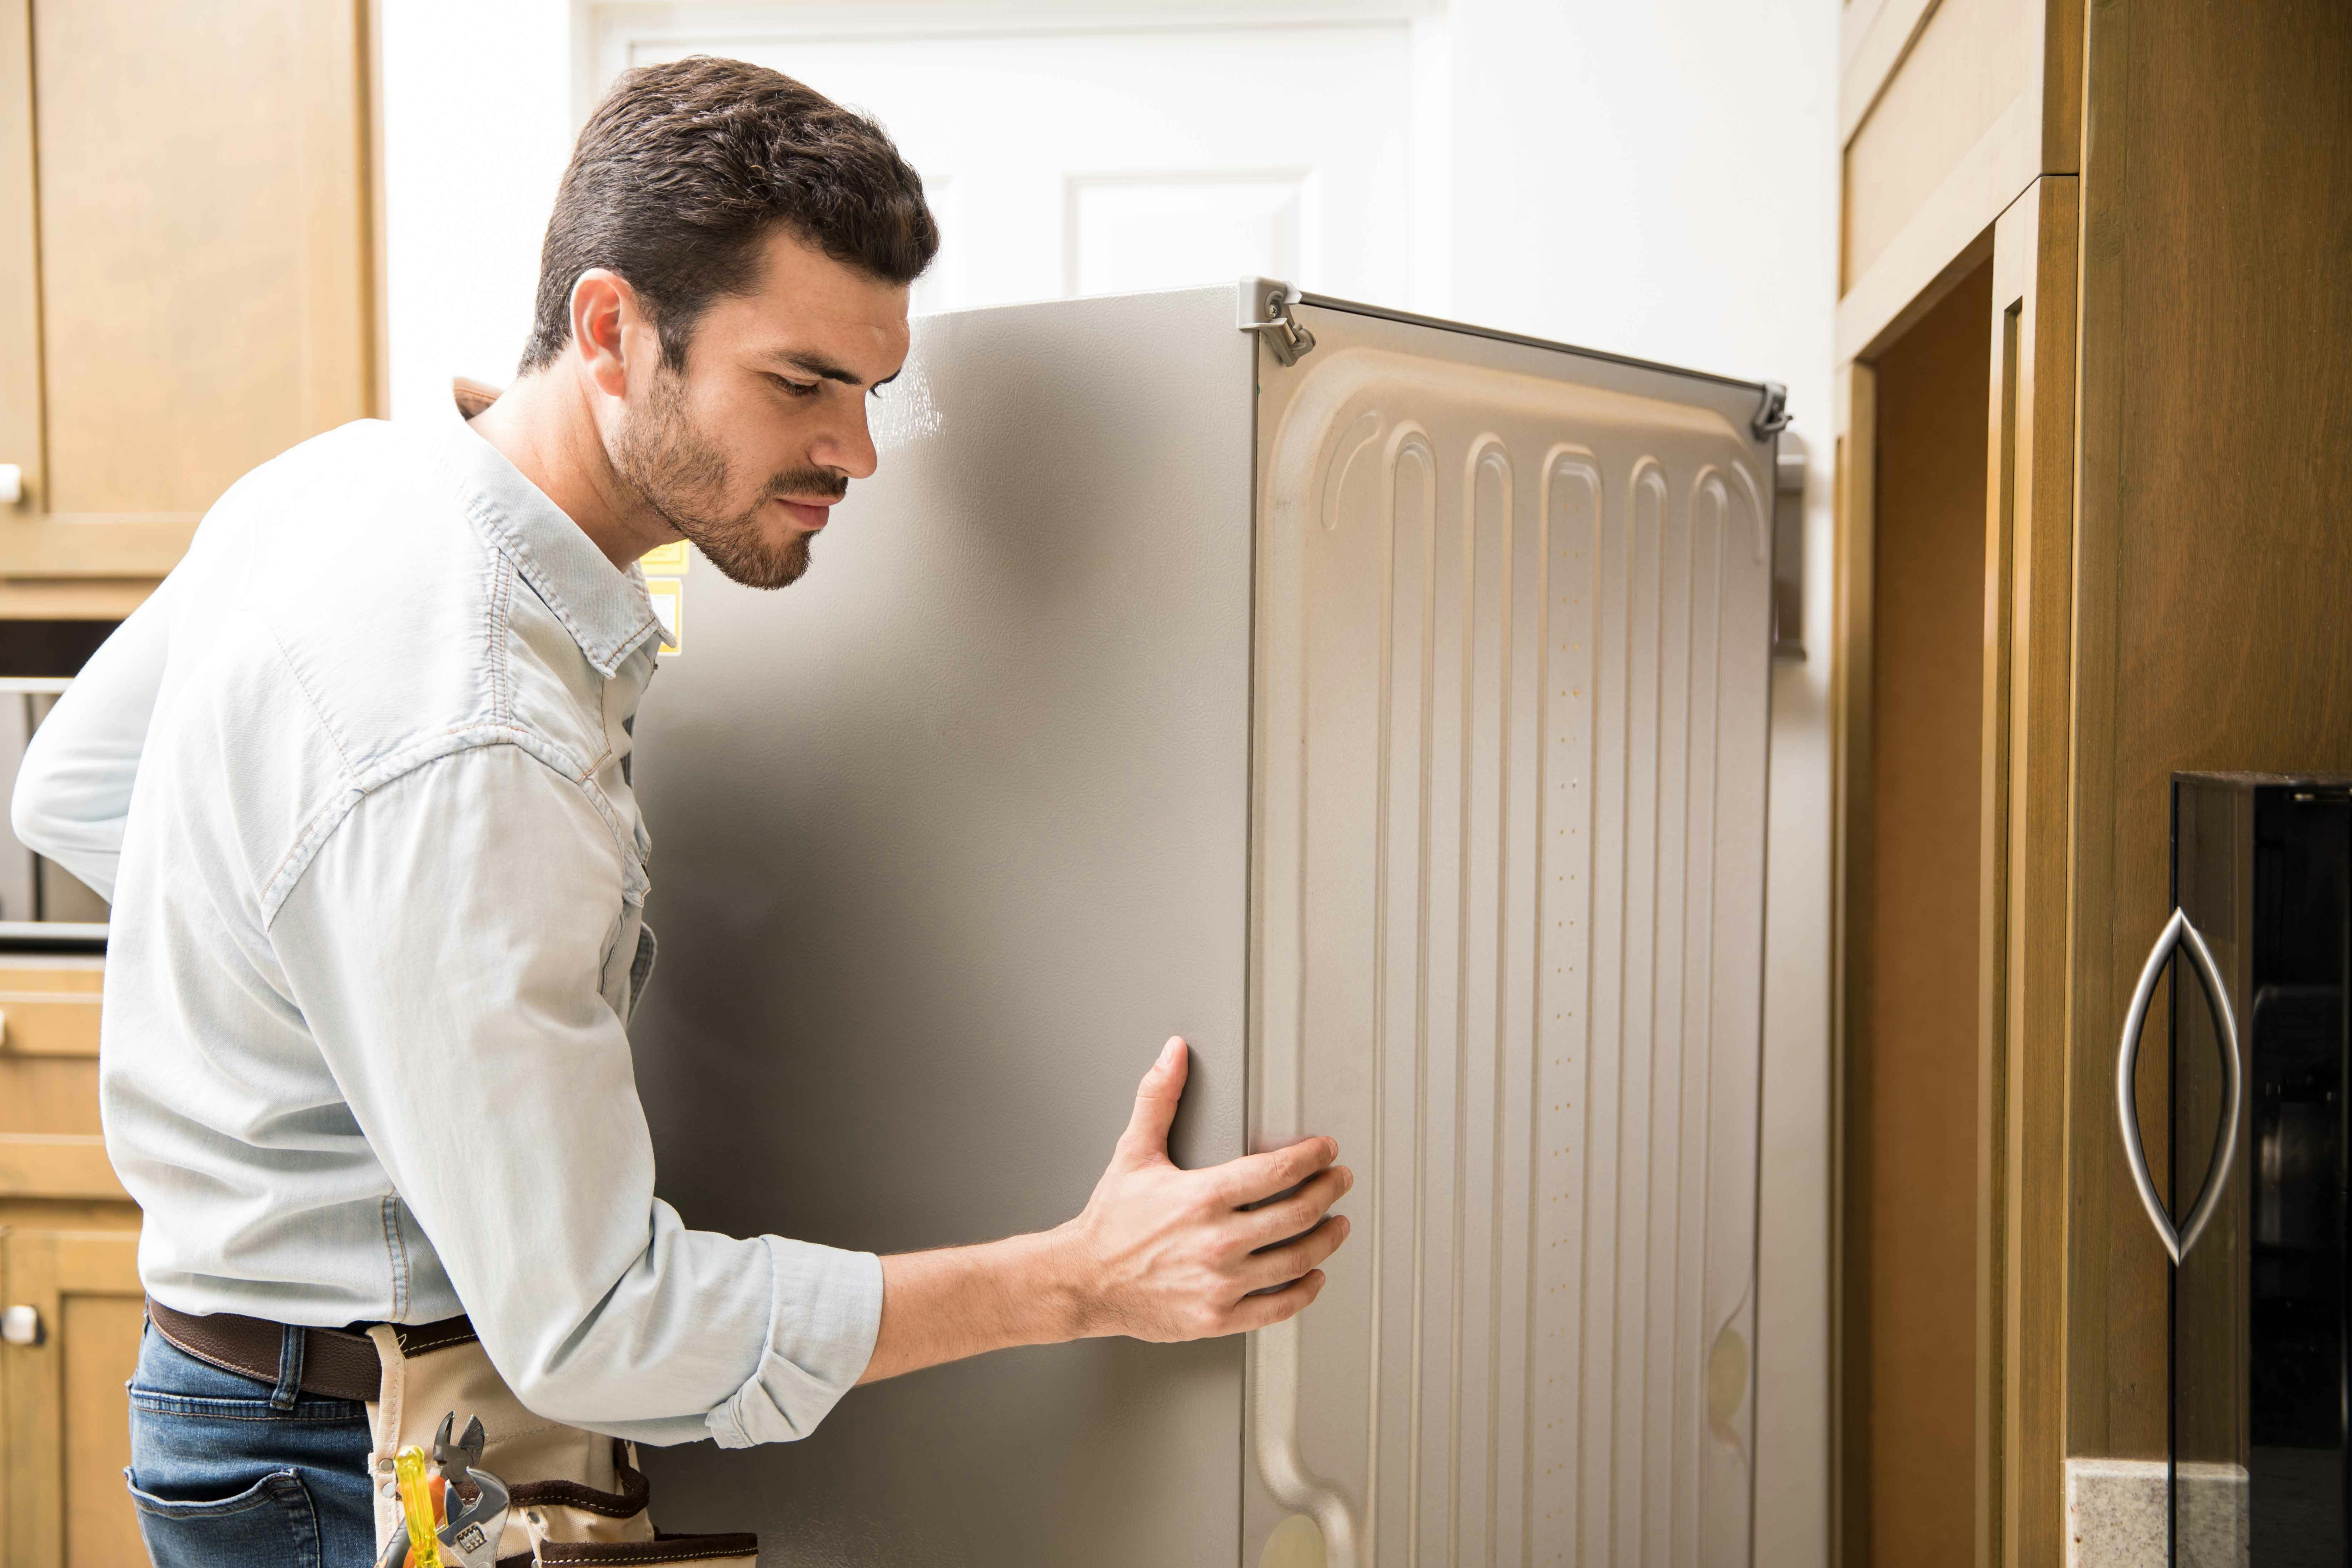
{"type": "Point", "coordinates": [544, 426]}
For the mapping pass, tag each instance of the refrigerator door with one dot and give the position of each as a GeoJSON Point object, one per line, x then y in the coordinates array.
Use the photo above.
{"type": "Point", "coordinates": [1506, 943]}
{"type": "Point", "coordinates": [949, 837]}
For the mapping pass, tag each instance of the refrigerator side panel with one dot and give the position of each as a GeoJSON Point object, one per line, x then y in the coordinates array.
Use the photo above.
{"type": "Point", "coordinates": [1512, 683]}
{"type": "Point", "coordinates": [949, 837]}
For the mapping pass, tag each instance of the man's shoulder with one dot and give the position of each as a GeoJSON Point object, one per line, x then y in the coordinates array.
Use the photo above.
{"type": "Point", "coordinates": [384, 451]}
{"type": "Point", "coordinates": [356, 556]}
{"type": "Point", "coordinates": [370, 491]}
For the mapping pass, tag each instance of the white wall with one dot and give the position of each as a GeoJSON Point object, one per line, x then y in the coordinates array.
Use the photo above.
{"type": "Point", "coordinates": [1653, 179]}
{"type": "Point", "coordinates": [477, 122]}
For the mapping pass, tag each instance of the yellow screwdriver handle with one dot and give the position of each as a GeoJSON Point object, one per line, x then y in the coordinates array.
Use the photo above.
{"type": "Point", "coordinates": [416, 1505]}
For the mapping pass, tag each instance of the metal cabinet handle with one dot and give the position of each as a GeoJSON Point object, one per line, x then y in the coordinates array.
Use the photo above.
{"type": "Point", "coordinates": [2178, 931]}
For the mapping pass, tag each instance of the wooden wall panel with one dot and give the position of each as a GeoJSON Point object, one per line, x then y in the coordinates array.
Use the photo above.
{"type": "Point", "coordinates": [1972, 59]}
{"type": "Point", "coordinates": [2214, 561]}
{"type": "Point", "coordinates": [1947, 112]}
{"type": "Point", "coordinates": [2021, 1008]}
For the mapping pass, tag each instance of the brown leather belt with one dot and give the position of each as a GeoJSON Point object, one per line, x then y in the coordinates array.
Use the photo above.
{"type": "Point", "coordinates": [336, 1363]}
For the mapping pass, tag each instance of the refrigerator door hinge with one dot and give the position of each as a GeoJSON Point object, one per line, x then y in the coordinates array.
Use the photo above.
{"type": "Point", "coordinates": [1266, 309]}
{"type": "Point", "coordinates": [1789, 547]}
{"type": "Point", "coordinates": [1772, 414]}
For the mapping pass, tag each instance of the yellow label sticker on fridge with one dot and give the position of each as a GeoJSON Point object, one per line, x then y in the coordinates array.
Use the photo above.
{"type": "Point", "coordinates": [668, 595]}
{"type": "Point", "coordinates": [670, 558]}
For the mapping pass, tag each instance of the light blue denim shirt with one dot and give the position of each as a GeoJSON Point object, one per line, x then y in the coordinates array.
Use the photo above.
{"type": "Point", "coordinates": [356, 779]}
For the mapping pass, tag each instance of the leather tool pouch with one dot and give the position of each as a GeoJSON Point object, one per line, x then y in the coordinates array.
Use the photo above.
{"type": "Point", "coordinates": [577, 1496]}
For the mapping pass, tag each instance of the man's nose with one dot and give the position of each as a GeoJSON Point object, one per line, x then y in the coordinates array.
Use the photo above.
{"type": "Point", "coordinates": [848, 447]}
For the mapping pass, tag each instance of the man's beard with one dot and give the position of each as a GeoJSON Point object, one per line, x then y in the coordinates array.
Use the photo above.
{"type": "Point", "coordinates": [683, 477]}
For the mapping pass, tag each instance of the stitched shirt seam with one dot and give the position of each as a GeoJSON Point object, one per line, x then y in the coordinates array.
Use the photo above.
{"type": "Point", "coordinates": [502, 593]}
{"type": "Point", "coordinates": [504, 541]}
{"type": "Point", "coordinates": [549, 754]}
{"type": "Point", "coordinates": [309, 697]}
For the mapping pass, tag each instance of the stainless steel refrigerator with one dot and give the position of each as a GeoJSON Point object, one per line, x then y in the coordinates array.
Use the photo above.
{"type": "Point", "coordinates": [1379, 704]}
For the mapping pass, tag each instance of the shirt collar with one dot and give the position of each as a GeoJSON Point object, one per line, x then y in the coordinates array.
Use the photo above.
{"type": "Point", "coordinates": [605, 609]}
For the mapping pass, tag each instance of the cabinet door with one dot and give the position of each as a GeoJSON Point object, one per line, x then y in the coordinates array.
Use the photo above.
{"type": "Point", "coordinates": [176, 305]}
{"type": "Point", "coordinates": [64, 1438]}
{"type": "Point", "coordinates": [50, 1147]}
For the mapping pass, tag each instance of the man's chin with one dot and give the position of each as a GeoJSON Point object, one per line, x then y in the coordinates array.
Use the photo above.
{"type": "Point", "coordinates": [756, 563]}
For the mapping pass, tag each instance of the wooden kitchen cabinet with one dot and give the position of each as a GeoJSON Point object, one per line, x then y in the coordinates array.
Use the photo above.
{"type": "Point", "coordinates": [2141, 211]}
{"type": "Point", "coordinates": [187, 287]}
{"type": "Point", "coordinates": [61, 1403]}
{"type": "Point", "coordinates": [69, 1257]}
{"type": "Point", "coordinates": [50, 1150]}
{"type": "Point", "coordinates": [187, 266]}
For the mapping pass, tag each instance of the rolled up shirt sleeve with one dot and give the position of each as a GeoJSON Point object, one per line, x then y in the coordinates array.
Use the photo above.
{"type": "Point", "coordinates": [451, 945]}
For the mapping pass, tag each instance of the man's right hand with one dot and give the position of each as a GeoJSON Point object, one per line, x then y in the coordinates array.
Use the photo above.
{"type": "Point", "coordinates": [1162, 1253]}
{"type": "Point", "coordinates": [1158, 1253]}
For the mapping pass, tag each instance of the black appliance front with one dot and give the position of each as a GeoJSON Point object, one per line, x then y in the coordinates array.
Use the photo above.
{"type": "Point", "coordinates": [2261, 866]}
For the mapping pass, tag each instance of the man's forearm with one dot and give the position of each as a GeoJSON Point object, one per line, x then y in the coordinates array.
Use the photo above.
{"type": "Point", "coordinates": [964, 1301]}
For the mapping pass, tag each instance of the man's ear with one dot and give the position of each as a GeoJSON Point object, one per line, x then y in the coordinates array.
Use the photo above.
{"type": "Point", "coordinates": [605, 309]}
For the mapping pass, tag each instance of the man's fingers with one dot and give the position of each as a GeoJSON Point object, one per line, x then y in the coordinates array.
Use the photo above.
{"type": "Point", "coordinates": [1280, 1265]}
{"type": "Point", "coordinates": [1156, 1100]}
{"type": "Point", "coordinates": [1276, 1306]}
{"type": "Point", "coordinates": [1253, 1177]}
{"type": "Point", "coordinates": [1297, 1214]}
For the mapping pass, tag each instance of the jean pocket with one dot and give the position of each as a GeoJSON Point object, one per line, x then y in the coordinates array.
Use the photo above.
{"type": "Point", "coordinates": [271, 1521]}
{"type": "Point", "coordinates": [307, 1409]}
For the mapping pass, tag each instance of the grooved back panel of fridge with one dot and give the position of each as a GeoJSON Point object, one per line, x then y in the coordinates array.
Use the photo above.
{"type": "Point", "coordinates": [1510, 685]}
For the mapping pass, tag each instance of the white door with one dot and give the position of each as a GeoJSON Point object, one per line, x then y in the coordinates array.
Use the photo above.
{"type": "Point", "coordinates": [1110, 161]}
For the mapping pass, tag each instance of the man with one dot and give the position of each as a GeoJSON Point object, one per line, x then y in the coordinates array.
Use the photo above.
{"type": "Point", "coordinates": [357, 781]}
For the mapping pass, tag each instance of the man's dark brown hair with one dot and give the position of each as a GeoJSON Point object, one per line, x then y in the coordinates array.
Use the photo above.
{"type": "Point", "coordinates": [685, 168]}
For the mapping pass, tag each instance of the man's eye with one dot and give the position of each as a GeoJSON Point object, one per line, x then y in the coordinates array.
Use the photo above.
{"type": "Point", "coordinates": [796, 388]}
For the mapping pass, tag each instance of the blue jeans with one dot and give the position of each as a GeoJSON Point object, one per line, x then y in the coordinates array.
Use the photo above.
{"type": "Point", "coordinates": [229, 1469]}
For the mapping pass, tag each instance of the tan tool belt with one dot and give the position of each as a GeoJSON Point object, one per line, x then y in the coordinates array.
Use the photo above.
{"type": "Point", "coordinates": [576, 1496]}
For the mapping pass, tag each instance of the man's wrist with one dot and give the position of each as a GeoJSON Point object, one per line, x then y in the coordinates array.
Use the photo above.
{"type": "Point", "coordinates": [961, 1302]}
{"type": "Point", "coordinates": [1054, 1280]}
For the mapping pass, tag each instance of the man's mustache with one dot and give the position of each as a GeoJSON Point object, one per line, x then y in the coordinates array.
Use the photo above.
{"type": "Point", "coordinates": [809, 484]}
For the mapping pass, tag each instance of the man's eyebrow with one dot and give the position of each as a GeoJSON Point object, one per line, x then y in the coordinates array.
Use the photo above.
{"type": "Point", "coordinates": [817, 365]}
